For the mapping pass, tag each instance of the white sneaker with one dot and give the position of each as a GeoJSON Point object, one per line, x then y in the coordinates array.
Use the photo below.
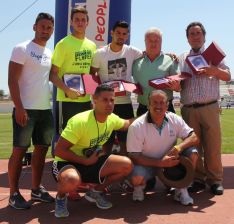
{"type": "Point", "coordinates": [138, 193]}
{"type": "Point", "coordinates": [183, 197]}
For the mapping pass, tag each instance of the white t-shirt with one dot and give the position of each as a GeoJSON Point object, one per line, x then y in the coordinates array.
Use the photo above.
{"type": "Point", "coordinates": [34, 80]}
{"type": "Point", "coordinates": [145, 138]}
{"type": "Point", "coordinates": [116, 66]}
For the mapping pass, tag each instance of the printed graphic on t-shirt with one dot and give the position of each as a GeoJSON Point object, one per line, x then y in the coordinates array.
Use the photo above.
{"type": "Point", "coordinates": [117, 69]}
{"type": "Point", "coordinates": [83, 59]}
{"type": "Point", "coordinates": [98, 140]}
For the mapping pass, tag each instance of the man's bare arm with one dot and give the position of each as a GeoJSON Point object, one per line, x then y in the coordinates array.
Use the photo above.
{"type": "Point", "coordinates": [63, 151]}
{"type": "Point", "coordinates": [70, 92]}
{"type": "Point", "coordinates": [139, 159]}
{"type": "Point", "coordinates": [14, 73]}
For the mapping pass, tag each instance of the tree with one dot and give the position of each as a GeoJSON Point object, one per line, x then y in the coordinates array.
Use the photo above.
{"type": "Point", "coordinates": [2, 93]}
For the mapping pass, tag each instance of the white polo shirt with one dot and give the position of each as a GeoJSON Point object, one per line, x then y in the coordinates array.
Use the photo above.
{"type": "Point", "coordinates": [145, 137]}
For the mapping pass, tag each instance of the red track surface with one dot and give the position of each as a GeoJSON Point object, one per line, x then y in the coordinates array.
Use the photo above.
{"type": "Point", "coordinates": [157, 208]}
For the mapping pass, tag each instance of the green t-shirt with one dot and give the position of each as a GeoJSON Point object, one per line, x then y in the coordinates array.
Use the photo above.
{"type": "Point", "coordinates": [74, 56]}
{"type": "Point", "coordinates": [84, 131]}
{"type": "Point", "coordinates": [144, 70]}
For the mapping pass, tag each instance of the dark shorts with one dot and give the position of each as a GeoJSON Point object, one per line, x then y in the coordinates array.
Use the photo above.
{"type": "Point", "coordinates": [89, 174]}
{"type": "Point", "coordinates": [124, 111]}
{"type": "Point", "coordinates": [39, 128]}
{"type": "Point", "coordinates": [143, 109]}
{"type": "Point", "coordinates": [69, 109]}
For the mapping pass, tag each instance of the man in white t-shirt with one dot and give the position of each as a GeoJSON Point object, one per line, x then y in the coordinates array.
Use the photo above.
{"type": "Point", "coordinates": [28, 77]}
{"type": "Point", "coordinates": [114, 62]}
{"type": "Point", "coordinates": [150, 144]}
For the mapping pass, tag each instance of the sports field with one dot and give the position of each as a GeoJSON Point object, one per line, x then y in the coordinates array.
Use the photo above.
{"type": "Point", "coordinates": [227, 123]}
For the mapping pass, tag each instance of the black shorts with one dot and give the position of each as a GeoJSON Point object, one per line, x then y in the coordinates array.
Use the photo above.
{"type": "Point", "coordinates": [69, 109]}
{"type": "Point", "coordinates": [124, 111]}
{"type": "Point", "coordinates": [89, 174]}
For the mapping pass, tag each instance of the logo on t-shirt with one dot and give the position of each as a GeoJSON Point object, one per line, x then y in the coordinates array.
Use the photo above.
{"type": "Point", "coordinates": [83, 59]}
{"type": "Point", "coordinates": [171, 133]}
{"type": "Point", "coordinates": [117, 69]}
{"type": "Point", "coordinates": [102, 139]}
{"type": "Point", "coordinates": [39, 57]}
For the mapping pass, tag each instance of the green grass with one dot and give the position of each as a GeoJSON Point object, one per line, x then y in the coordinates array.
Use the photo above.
{"type": "Point", "coordinates": [6, 137]}
{"type": "Point", "coordinates": [227, 123]}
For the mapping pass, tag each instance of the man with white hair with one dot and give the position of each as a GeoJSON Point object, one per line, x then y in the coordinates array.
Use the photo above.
{"type": "Point", "coordinates": [154, 64]}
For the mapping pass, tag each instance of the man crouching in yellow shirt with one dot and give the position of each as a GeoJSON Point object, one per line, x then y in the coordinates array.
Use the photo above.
{"type": "Point", "coordinates": [79, 157]}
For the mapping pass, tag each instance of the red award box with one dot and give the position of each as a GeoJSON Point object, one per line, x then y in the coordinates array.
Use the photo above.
{"type": "Point", "coordinates": [84, 83]}
{"type": "Point", "coordinates": [212, 55]}
{"type": "Point", "coordinates": [87, 84]}
{"type": "Point", "coordinates": [121, 87]}
{"type": "Point", "coordinates": [161, 83]}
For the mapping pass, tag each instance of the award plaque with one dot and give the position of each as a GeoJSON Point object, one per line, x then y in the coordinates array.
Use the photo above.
{"type": "Point", "coordinates": [161, 83]}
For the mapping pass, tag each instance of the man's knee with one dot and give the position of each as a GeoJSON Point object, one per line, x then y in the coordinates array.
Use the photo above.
{"type": "Point", "coordinates": [127, 166]}
{"type": "Point", "coordinates": [18, 153]}
{"type": "Point", "coordinates": [69, 178]}
{"type": "Point", "coordinates": [119, 164]}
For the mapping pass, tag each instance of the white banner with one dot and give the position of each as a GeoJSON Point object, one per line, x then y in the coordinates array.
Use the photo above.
{"type": "Point", "coordinates": [98, 12]}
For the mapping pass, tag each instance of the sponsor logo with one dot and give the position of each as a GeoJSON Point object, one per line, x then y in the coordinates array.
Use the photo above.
{"type": "Point", "coordinates": [101, 21]}
{"type": "Point", "coordinates": [12, 202]}
{"type": "Point", "coordinates": [42, 57]}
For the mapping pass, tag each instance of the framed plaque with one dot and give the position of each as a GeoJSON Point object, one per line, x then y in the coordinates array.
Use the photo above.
{"type": "Point", "coordinates": [74, 81]}
{"type": "Point", "coordinates": [161, 83]}
{"type": "Point", "coordinates": [212, 55]}
{"type": "Point", "coordinates": [196, 62]}
{"type": "Point", "coordinates": [121, 87]}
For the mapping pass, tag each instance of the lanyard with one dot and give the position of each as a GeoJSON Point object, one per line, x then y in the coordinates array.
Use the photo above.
{"type": "Point", "coordinates": [104, 134]}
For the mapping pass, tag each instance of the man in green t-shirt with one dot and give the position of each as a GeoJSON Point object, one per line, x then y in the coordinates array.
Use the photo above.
{"type": "Point", "coordinates": [72, 55]}
{"type": "Point", "coordinates": [79, 156]}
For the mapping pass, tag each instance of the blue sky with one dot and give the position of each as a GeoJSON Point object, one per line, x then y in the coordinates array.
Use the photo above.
{"type": "Point", "coordinates": [171, 17]}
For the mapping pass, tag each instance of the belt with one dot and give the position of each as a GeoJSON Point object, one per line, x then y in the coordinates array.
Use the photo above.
{"type": "Point", "coordinates": [196, 105]}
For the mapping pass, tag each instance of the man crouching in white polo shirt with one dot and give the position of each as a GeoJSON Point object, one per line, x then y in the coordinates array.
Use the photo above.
{"type": "Point", "coordinates": [151, 144]}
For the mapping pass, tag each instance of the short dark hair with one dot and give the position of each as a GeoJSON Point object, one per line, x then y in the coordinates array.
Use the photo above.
{"type": "Point", "coordinates": [79, 9]}
{"type": "Point", "coordinates": [102, 88]}
{"type": "Point", "coordinates": [195, 24]}
{"type": "Point", "coordinates": [44, 15]}
{"type": "Point", "coordinates": [120, 23]}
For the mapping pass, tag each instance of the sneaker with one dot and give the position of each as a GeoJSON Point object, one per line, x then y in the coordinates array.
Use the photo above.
{"type": "Point", "coordinates": [183, 197]}
{"type": "Point", "coordinates": [217, 189]}
{"type": "Point", "coordinates": [196, 186]}
{"type": "Point", "coordinates": [61, 207]}
{"type": "Point", "coordinates": [41, 195]}
{"type": "Point", "coordinates": [99, 198]}
{"type": "Point", "coordinates": [126, 186]}
{"type": "Point", "coordinates": [115, 188]}
{"type": "Point", "coordinates": [138, 193]}
{"type": "Point", "coordinates": [18, 202]}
